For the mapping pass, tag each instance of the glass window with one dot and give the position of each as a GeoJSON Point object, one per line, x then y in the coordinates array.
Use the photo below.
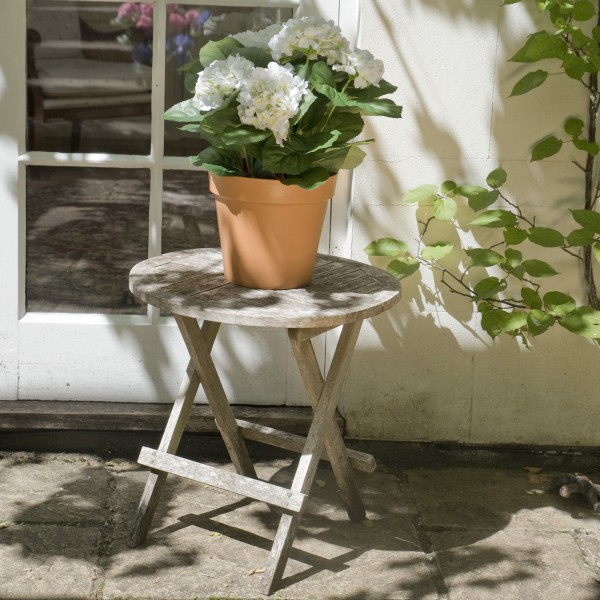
{"type": "Point", "coordinates": [86, 93]}
{"type": "Point", "coordinates": [86, 228]}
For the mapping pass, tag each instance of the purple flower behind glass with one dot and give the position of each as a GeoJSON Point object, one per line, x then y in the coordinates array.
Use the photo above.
{"type": "Point", "coordinates": [142, 53]}
{"type": "Point", "coordinates": [179, 48]}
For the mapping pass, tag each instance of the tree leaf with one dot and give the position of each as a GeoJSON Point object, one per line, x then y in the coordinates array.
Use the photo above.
{"type": "Point", "coordinates": [549, 146]}
{"type": "Point", "coordinates": [538, 268]}
{"type": "Point", "coordinates": [584, 321]}
{"type": "Point", "coordinates": [489, 287]}
{"type": "Point", "coordinates": [436, 251]}
{"type": "Point", "coordinates": [540, 45]}
{"type": "Point", "coordinates": [448, 187]}
{"type": "Point", "coordinates": [514, 236]}
{"type": "Point", "coordinates": [491, 322]}
{"type": "Point", "coordinates": [403, 267]}
{"type": "Point", "coordinates": [538, 321]}
{"type": "Point", "coordinates": [583, 10]}
{"type": "Point", "coordinates": [513, 257]}
{"type": "Point", "coordinates": [386, 247]}
{"type": "Point", "coordinates": [529, 82]}
{"type": "Point", "coordinates": [573, 126]}
{"type": "Point", "coordinates": [558, 303]}
{"type": "Point", "coordinates": [483, 257]}
{"type": "Point", "coordinates": [591, 148]}
{"type": "Point", "coordinates": [547, 237]}
{"type": "Point", "coordinates": [531, 298]}
{"type": "Point", "coordinates": [497, 178]}
{"type": "Point", "coordinates": [588, 219]}
{"type": "Point", "coordinates": [495, 218]}
{"type": "Point", "coordinates": [444, 208]}
{"type": "Point", "coordinates": [580, 237]}
{"type": "Point", "coordinates": [422, 194]}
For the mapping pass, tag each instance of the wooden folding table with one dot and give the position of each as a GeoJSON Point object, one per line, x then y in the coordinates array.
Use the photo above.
{"type": "Point", "coordinates": [190, 285]}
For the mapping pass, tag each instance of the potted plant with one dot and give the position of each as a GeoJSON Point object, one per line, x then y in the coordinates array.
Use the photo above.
{"type": "Point", "coordinates": [280, 110]}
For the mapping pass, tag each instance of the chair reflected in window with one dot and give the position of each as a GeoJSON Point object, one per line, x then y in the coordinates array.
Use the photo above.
{"type": "Point", "coordinates": [75, 74]}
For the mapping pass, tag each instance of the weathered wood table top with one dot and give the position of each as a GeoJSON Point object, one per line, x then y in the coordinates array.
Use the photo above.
{"type": "Point", "coordinates": [191, 283]}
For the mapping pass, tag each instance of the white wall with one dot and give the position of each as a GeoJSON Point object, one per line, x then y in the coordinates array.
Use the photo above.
{"type": "Point", "coordinates": [426, 370]}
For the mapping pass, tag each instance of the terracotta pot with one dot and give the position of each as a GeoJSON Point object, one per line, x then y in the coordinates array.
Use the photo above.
{"type": "Point", "coordinates": [269, 232]}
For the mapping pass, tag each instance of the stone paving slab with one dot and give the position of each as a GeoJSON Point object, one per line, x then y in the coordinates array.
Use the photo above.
{"type": "Point", "coordinates": [449, 533]}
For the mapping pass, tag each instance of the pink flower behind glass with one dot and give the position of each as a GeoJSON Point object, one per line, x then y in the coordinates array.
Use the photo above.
{"type": "Point", "coordinates": [176, 24]}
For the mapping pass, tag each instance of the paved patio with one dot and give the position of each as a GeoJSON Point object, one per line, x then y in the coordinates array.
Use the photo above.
{"type": "Point", "coordinates": [455, 530]}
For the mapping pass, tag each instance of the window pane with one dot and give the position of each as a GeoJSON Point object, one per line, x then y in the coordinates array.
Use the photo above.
{"type": "Point", "coordinates": [189, 217]}
{"type": "Point", "coordinates": [188, 29]}
{"type": "Point", "coordinates": [86, 228]}
{"type": "Point", "coordinates": [86, 93]}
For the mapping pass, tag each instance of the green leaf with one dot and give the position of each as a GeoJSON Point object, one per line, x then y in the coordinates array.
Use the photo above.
{"type": "Point", "coordinates": [558, 303]}
{"type": "Point", "coordinates": [257, 56]}
{"type": "Point", "coordinates": [513, 236]}
{"type": "Point", "coordinates": [538, 268]}
{"type": "Point", "coordinates": [497, 178]}
{"type": "Point", "coordinates": [591, 148]}
{"type": "Point", "coordinates": [529, 82]}
{"type": "Point", "coordinates": [547, 237]}
{"type": "Point", "coordinates": [489, 287]}
{"type": "Point", "coordinates": [448, 187]}
{"type": "Point", "coordinates": [482, 257]}
{"type": "Point", "coordinates": [541, 45]}
{"type": "Point", "coordinates": [588, 219]}
{"type": "Point", "coordinates": [580, 237]}
{"type": "Point", "coordinates": [498, 321]}
{"type": "Point", "coordinates": [422, 194]}
{"type": "Point", "coordinates": [538, 321]}
{"type": "Point", "coordinates": [436, 251]}
{"type": "Point", "coordinates": [349, 124]}
{"type": "Point", "coordinates": [184, 112]}
{"type": "Point", "coordinates": [282, 159]}
{"type": "Point", "coordinates": [549, 146]}
{"type": "Point", "coordinates": [353, 158]}
{"type": "Point", "coordinates": [220, 162]}
{"type": "Point", "coordinates": [495, 218]}
{"type": "Point", "coordinates": [531, 298]}
{"type": "Point", "coordinates": [513, 321]}
{"type": "Point", "coordinates": [478, 197]}
{"type": "Point", "coordinates": [513, 257]}
{"type": "Point", "coordinates": [309, 179]}
{"type": "Point", "coordinates": [584, 321]}
{"type": "Point", "coordinates": [583, 10]}
{"type": "Point", "coordinates": [386, 247]}
{"type": "Point", "coordinates": [574, 66]}
{"type": "Point", "coordinates": [444, 208]}
{"type": "Point", "coordinates": [573, 126]}
{"type": "Point", "coordinates": [596, 251]}
{"type": "Point", "coordinates": [403, 267]}
{"type": "Point", "coordinates": [220, 50]}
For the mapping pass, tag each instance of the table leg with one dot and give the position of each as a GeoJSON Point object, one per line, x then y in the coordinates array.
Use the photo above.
{"type": "Point", "coordinates": [169, 443]}
{"type": "Point", "coordinates": [307, 466]}
{"type": "Point", "coordinates": [334, 443]}
{"type": "Point", "coordinates": [205, 367]}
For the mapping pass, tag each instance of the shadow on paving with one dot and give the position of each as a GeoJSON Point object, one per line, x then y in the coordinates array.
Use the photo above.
{"type": "Point", "coordinates": [65, 520]}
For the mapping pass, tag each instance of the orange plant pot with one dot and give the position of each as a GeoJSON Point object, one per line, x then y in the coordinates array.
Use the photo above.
{"type": "Point", "coordinates": [269, 232]}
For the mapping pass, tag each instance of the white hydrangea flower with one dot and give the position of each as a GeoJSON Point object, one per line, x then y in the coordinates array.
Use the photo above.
{"type": "Point", "coordinates": [219, 80]}
{"type": "Point", "coordinates": [362, 66]}
{"type": "Point", "coordinates": [312, 36]}
{"type": "Point", "coordinates": [257, 39]}
{"type": "Point", "coordinates": [271, 97]}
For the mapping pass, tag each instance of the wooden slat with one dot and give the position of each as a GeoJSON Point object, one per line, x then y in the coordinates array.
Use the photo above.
{"type": "Point", "coordinates": [225, 480]}
{"type": "Point", "coordinates": [361, 461]}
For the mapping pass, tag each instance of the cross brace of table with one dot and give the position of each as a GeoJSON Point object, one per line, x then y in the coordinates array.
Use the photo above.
{"type": "Point", "coordinates": [324, 439]}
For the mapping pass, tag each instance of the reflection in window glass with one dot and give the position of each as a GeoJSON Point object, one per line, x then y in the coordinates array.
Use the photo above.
{"type": "Point", "coordinates": [86, 92]}
{"type": "Point", "coordinates": [86, 228]}
{"type": "Point", "coordinates": [189, 217]}
{"type": "Point", "coordinates": [188, 29]}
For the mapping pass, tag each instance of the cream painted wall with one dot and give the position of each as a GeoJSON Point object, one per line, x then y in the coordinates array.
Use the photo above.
{"type": "Point", "coordinates": [426, 370]}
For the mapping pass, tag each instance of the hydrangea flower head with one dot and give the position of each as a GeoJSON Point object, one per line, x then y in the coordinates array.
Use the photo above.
{"type": "Point", "coordinates": [362, 66]}
{"type": "Point", "coordinates": [312, 36]}
{"type": "Point", "coordinates": [220, 80]}
{"type": "Point", "coordinates": [271, 97]}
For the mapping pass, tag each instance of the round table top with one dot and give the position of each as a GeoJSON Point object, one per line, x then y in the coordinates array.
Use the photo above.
{"type": "Point", "coordinates": [191, 283]}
